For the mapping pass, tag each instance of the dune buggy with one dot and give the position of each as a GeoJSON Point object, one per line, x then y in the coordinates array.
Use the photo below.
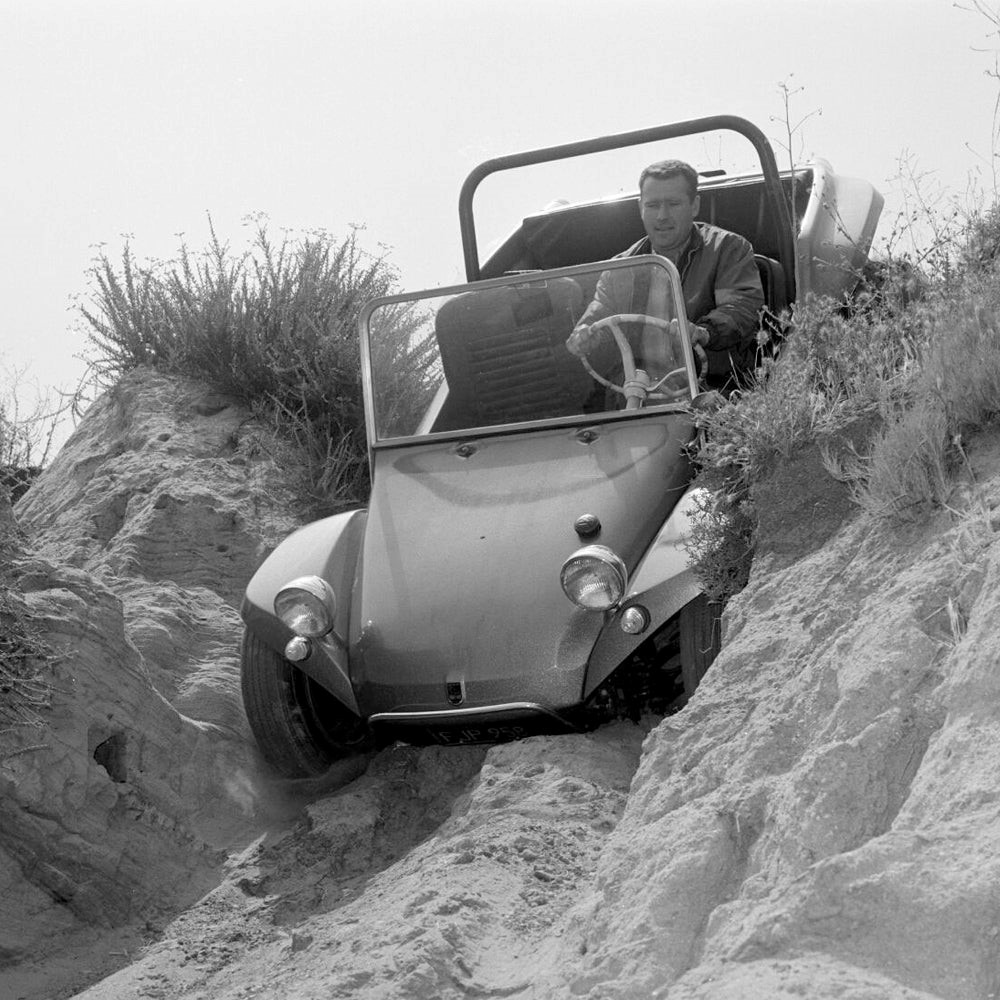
{"type": "Point", "coordinates": [521, 566]}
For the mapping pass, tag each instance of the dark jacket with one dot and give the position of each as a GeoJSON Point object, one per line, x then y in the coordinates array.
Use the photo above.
{"type": "Point", "coordinates": [722, 292]}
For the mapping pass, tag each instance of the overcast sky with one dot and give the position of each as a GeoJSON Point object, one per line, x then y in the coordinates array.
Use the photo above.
{"type": "Point", "coordinates": [141, 118]}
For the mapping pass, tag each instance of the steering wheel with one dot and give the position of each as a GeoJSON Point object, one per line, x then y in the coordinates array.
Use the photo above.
{"type": "Point", "coordinates": [636, 387]}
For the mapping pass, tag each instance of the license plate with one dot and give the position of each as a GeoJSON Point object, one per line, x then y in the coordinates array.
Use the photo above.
{"type": "Point", "coordinates": [479, 734]}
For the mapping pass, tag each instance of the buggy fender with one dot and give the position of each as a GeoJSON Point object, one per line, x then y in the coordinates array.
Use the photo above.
{"type": "Point", "coordinates": [664, 580]}
{"type": "Point", "coordinates": [662, 583]}
{"type": "Point", "coordinates": [328, 549]}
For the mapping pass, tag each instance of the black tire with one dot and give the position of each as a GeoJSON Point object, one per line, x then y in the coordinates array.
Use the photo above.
{"type": "Point", "coordinates": [300, 727]}
{"type": "Point", "coordinates": [700, 640]}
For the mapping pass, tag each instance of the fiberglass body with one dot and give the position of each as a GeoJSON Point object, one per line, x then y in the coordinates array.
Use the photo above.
{"type": "Point", "coordinates": [521, 566]}
{"type": "Point", "coordinates": [495, 457]}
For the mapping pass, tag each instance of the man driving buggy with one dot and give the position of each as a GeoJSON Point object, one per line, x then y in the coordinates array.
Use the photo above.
{"type": "Point", "coordinates": [723, 295]}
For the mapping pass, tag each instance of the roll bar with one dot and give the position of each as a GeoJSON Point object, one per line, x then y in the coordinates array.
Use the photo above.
{"type": "Point", "coordinates": [772, 181]}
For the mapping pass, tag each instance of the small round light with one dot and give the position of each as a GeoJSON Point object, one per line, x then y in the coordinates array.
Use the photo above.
{"type": "Point", "coordinates": [298, 648]}
{"type": "Point", "coordinates": [307, 606]}
{"type": "Point", "coordinates": [594, 578]}
{"type": "Point", "coordinates": [634, 620]}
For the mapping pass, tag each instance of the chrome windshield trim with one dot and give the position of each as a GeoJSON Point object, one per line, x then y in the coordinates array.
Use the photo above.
{"type": "Point", "coordinates": [518, 278]}
{"type": "Point", "coordinates": [505, 430]}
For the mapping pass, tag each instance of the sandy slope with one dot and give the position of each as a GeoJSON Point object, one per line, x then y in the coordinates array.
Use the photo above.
{"type": "Point", "coordinates": [820, 821]}
{"type": "Point", "coordinates": [118, 807]}
{"type": "Point", "coordinates": [439, 873]}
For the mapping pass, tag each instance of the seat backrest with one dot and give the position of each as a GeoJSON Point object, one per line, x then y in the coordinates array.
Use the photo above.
{"type": "Point", "coordinates": [503, 351]}
{"type": "Point", "coordinates": [772, 278]}
{"type": "Point", "coordinates": [773, 327]}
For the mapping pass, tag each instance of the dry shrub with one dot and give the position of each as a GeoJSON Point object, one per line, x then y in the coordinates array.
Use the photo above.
{"type": "Point", "coordinates": [24, 689]}
{"type": "Point", "coordinates": [275, 326]}
{"type": "Point", "coordinates": [29, 420]}
{"type": "Point", "coordinates": [917, 373]}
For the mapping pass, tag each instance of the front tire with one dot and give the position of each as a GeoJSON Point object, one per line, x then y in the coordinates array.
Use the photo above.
{"type": "Point", "coordinates": [700, 640]}
{"type": "Point", "coordinates": [300, 728]}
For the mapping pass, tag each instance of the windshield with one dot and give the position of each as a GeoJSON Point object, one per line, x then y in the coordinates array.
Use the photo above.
{"type": "Point", "coordinates": [569, 343]}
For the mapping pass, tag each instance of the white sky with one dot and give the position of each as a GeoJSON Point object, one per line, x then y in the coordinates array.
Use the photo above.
{"type": "Point", "coordinates": [140, 118]}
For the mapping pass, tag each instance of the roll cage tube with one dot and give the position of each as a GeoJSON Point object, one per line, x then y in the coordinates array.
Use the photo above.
{"type": "Point", "coordinates": [732, 123]}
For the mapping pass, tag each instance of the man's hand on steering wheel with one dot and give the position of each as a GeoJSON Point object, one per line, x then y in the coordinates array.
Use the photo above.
{"type": "Point", "coordinates": [585, 338]}
{"type": "Point", "coordinates": [637, 386]}
{"type": "Point", "coordinates": [582, 340]}
{"type": "Point", "coordinates": [699, 335]}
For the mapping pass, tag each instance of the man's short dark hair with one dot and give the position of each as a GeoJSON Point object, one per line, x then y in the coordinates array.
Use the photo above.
{"type": "Point", "coordinates": [663, 170]}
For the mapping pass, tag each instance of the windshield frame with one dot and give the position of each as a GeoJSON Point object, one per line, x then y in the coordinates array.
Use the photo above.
{"type": "Point", "coordinates": [524, 277]}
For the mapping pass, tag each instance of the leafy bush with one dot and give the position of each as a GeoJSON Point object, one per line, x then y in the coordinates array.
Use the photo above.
{"type": "Point", "coordinates": [721, 543]}
{"type": "Point", "coordinates": [979, 248]}
{"type": "Point", "coordinates": [834, 373]}
{"type": "Point", "coordinates": [275, 327]}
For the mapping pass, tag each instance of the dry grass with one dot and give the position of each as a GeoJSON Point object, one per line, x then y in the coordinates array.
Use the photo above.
{"type": "Point", "coordinates": [918, 372]}
{"type": "Point", "coordinates": [909, 469]}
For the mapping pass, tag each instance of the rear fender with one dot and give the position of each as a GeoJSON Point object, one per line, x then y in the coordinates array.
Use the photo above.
{"type": "Point", "coordinates": [836, 232]}
{"type": "Point", "coordinates": [662, 583]}
{"type": "Point", "coordinates": [329, 549]}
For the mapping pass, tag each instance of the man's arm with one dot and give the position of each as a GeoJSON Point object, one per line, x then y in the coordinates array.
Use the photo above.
{"type": "Point", "coordinates": [606, 302]}
{"type": "Point", "coordinates": [739, 297]}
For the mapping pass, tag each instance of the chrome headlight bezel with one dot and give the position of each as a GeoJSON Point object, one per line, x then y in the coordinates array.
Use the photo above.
{"type": "Point", "coordinates": [307, 606]}
{"type": "Point", "coordinates": [594, 578]}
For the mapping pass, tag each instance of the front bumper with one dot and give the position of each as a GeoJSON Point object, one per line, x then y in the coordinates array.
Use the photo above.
{"type": "Point", "coordinates": [485, 724]}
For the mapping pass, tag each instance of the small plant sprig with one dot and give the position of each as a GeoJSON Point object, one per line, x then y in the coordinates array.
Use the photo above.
{"type": "Point", "coordinates": [992, 17]}
{"type": "Point", "coordinates": [792, 131]}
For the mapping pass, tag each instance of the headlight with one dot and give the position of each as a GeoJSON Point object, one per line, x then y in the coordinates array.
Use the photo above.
{"type": "Point", "coordinates": [594, 578]}
{"type": "Point", "coordinates": [307, 606]}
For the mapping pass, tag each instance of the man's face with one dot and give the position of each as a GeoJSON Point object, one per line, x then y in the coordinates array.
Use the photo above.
{"type": "Point", "coordinates": [667, 212]}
